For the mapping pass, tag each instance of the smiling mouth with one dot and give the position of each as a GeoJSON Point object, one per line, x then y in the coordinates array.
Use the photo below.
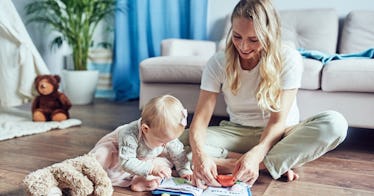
{"type": "Point", "coordinates": [246, 53]}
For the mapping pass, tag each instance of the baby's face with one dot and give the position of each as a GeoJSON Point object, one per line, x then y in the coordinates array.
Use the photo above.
{"type": "Point", "coordinates": [160, 137]}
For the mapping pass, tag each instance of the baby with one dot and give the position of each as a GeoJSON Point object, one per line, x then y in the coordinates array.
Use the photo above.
{"type": "Point", "coordinates": [141, 153]}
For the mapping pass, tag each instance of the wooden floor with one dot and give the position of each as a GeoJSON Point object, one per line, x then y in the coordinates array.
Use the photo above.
{"type": "Point", "coordinates": [348, 170]}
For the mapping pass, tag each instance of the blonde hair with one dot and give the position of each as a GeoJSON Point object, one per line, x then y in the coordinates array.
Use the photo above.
{"type": "Point", "coordinates": [267, 27]}
{"type": "Point", "coordinates": [162, 111]}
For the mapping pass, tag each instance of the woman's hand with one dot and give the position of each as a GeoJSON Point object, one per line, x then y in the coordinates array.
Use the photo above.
{"type": "Point", "coordinates": [247, 168]}
{"type": "Point", "coordinates": [204, 172]}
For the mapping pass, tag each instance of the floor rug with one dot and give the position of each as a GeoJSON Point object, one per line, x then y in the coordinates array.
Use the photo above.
{"type": "Point", "coordinates": [15, 122]}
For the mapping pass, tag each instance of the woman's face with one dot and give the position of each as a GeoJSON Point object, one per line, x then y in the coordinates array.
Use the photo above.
{"type": "Point", "coordinates": [245, 39]}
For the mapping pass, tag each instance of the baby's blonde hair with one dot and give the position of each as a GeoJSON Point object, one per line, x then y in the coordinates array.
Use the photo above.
{"type": "Point", "coordinates": [267, 27]}
{"type": "Point", "coordinates": [162, 111]}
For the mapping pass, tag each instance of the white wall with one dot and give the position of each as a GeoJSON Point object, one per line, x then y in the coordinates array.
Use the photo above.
{"type": "Point", "coordinates": [218, 9]}
{"type": "Point", "coordinates": [43, 36]}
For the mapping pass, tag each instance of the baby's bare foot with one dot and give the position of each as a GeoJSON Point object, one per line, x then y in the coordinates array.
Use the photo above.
{"type": "Point", "coordinates": [141, 184]}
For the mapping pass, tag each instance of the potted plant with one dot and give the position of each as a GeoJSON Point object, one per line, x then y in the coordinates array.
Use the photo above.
{"type": "Point", "coordinates": [76, 21]}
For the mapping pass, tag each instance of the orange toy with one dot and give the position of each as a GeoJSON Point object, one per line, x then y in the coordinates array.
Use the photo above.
{"type": "Point", "coordinates": [226, 180]}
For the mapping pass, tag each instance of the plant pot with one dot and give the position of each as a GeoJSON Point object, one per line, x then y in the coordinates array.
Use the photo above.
{"type": "Point", "coordinates": [80, 86]}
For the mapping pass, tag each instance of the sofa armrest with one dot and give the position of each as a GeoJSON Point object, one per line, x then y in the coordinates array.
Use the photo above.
{"type": "Point", "coordinates": [185, 47]}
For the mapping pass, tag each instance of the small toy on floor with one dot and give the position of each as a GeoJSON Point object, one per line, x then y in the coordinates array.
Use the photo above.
{"type": "Point", "coordinates": [50, 104]}
{"type": "Point", "coordinates": [226, 180]}
{"type": "Point", "coordinates": [79, 176]}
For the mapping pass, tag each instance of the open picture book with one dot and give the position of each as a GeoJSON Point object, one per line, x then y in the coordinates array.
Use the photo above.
{"type": "Point", "coordinates": [182, 187]}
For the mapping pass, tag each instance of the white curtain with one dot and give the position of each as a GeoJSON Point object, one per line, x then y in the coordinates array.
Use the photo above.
{"type": "Point", "coordinates": [20, 62]}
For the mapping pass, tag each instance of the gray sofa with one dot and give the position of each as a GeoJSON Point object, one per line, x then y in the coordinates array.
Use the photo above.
{"type": "Point", "coordinates": [345, 85]}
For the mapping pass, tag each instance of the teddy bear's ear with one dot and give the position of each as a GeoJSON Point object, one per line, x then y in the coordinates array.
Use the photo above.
{"type": "Point", "coordinates": [37, 78]}
{"type": "Point", "coordinates": [58, 78]}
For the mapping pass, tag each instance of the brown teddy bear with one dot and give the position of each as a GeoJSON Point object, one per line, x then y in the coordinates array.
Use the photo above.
{"type": "Point", "coordinates": [82, 175]}
{"type": "Point", "coordinates": [50, 104]}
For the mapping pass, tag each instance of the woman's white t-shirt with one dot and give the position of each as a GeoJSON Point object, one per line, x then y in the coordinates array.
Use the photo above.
{"type": "Point", "coordinates": [242, 107]}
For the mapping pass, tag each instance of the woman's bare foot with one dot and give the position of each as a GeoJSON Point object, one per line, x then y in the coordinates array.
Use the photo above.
{"type": "Point", "coordinates": [291, 175]}
{"type": "Point", "coordinates": [140, 183]}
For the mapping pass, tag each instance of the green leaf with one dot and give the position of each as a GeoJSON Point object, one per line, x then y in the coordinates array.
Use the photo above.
{"type": "Point", "coordinates": [76, 20]}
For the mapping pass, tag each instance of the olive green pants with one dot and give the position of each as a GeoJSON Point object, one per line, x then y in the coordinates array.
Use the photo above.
{"type": "Point", "coordinates": [305, 142]}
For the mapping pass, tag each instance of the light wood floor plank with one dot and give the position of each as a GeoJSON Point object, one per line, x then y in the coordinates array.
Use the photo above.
{"type": "Point", "coordinates": [300, 188]}
{"type": "Point", "coordinates": [344, 165]}
{"type": "Point", "coordinates": [338, 178]}
{"type": "Point", "coordinates": [10, 182]}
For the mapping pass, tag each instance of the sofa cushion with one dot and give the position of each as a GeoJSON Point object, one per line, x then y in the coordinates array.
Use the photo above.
{"type": "Point", "coordinates": [358, 32]}
{"type": "Point", "coordinates": [172, 69]}
{"type": "Point", "coordinates": [312, 74]}
{"type": "Point", "coordinates": [187, 47]}
{"type": "Point", "coordinates": [313, 29]}
{"type": "Point", "coordinates": [356, 75]}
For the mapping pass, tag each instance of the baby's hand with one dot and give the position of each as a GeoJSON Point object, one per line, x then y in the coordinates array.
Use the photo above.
{"type": "Point", "coordinates": [187, 177]}
{"type": "Point", "coordinates": [161, 171]}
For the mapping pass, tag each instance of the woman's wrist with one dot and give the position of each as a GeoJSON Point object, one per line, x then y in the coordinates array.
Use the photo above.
{"type": "Point", "coordinates": [196, 146]}
{"type": "Point", "coordinates": [197, 153]}
{"type": "Point", "coordinates": [258, 152]}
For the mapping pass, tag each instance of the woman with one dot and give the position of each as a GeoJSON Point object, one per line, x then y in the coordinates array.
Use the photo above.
{"type": "Point", "coordinates": [259, 77]}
